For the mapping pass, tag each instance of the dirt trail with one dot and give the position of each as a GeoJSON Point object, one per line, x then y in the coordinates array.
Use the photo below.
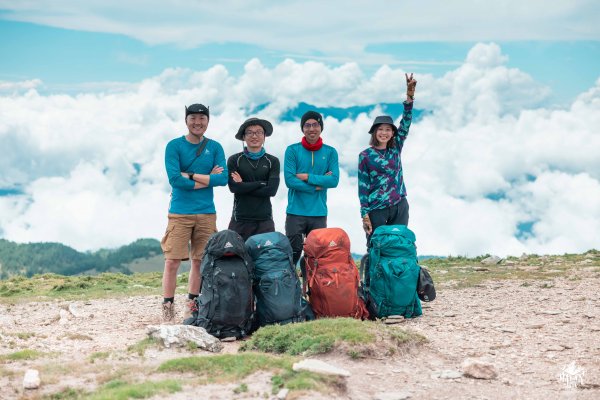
{"type": "Point", "coordinates": [528, 332]}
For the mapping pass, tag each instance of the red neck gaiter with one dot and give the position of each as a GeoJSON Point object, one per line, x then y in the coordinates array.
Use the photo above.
{"type": "Point", "coordinates": [312, 147]}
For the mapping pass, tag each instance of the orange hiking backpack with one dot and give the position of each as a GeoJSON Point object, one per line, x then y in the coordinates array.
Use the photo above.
{"type": "Point", "coordinates": [332, 279]}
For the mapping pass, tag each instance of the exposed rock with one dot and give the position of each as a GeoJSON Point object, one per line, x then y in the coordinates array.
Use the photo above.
{"type": "Point", "coordinates": [282, 394]}
{"type": "Point", "coordinates": [478, 369]}
{"type": "Point", "coordinates": [181, 335]}
{"type": "Point", "coordinates": [228, 339]}
{"type": "Point", "coordinates": [63, 317]}
{"type": "Point", "coordinates": [555, 347]}
{"type": "Point", "coordinates": [447, 374]}
{"type": "Point", "coordinates": [491, 260]}
{"type": "Point", "coordinates": [449, 314]}
{"type": "Point", "coordinates": [73, 309]}
{"type": "Point", "coordinates": [31, 380]}
{"type": "Point", "coordinates": [392, 396]}
{"type": "Point", "coordinates": [549, 312]}
{"type": "Point", "coordinates": [480, 269]}
{"type": "Point", "coordinates": [534, 326]}
{"type": "Point", "coordinates": [319, 367]}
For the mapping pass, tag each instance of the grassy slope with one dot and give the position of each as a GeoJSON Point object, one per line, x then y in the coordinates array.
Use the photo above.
{"type": "Point", "coordinates": [456, 272]}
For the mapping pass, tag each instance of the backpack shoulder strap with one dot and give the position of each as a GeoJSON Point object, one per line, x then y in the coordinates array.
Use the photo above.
{"type": "Point", "coordinates": [199, 152]}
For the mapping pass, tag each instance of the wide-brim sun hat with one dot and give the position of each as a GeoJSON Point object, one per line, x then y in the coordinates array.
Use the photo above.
{"type": "Point", "coordinates": [266, 125]}
{"type": "Point", "coordinates": [383, 119]}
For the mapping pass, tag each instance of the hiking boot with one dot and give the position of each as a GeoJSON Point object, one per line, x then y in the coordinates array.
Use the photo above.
{"type": "Point", "coordinates": [191, 309]}
{"type": "Point", "coordinates": [168, 311]}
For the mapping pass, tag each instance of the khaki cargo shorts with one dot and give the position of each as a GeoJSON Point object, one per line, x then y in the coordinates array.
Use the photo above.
{"type": "Point", "coordinates": [183, 230]}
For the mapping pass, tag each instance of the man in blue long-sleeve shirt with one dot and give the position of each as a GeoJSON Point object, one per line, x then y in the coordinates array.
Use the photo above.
{"type": "Point", "coordinates": [194, 164]}
{"type": "Point", "coordinates": [310, 168]}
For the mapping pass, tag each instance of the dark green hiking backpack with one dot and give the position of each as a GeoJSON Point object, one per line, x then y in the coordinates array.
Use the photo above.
{"type": "Point", "coordinates": [390, 272]}
{"type": "Point", "coordinates": [276, 285]}
{"type": "Point", "coordinates": [226, 301]}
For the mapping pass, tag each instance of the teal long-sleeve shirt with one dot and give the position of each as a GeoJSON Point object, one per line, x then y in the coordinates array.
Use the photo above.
{"type": "Point", "coordinates": [303, 197]}
{"type": "Point", "coordinates": [181, 154]}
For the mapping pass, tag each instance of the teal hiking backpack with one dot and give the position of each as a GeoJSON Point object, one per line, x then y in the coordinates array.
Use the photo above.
{"type": "Point", "coordinates": [390, 272]}
{"type": "Point", "coordinates": [276, 284]}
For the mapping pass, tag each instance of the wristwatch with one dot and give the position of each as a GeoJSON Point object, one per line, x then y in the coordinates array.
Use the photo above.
{"type": "Point", "coordinates": [191, 176]}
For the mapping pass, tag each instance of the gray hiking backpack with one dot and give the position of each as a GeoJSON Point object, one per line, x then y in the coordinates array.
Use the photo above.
{"type": "Point", "coordinates": [226, 301]}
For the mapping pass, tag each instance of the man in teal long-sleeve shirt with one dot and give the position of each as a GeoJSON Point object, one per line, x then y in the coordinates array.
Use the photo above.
{"type": "Point", "coordinates": [194, 164]}
{"type": "Point", "coordinates": [310, 168]}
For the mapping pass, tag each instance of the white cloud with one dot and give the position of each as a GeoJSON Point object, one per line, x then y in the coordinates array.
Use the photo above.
{"type": "Point", "coordinates": [486, 161]}
{"type": "Point", "coordinates": [335, 28]}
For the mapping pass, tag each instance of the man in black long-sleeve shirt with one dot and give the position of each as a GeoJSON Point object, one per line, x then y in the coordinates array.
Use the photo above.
{"type": "Point", "coordinates": [254, 179]}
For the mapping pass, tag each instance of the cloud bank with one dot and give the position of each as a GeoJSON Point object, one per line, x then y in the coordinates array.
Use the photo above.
{"type": "Point", "coordinates": [488, 168]}
{"type": "Point", "coordinates": [316, 27]}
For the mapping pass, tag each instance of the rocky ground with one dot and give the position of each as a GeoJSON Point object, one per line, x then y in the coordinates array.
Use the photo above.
{"type": "Point", "coordinates": [528, 332]}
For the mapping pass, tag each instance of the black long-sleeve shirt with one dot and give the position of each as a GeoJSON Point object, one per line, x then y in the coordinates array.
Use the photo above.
{"type": "Point", "coordinates": [260, 181]}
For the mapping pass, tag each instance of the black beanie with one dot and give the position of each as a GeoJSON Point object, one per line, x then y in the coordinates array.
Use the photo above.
{"type": "Point", "coordinates": [311, 115]}
{"type": "Point", "coordinates": [197, 109]}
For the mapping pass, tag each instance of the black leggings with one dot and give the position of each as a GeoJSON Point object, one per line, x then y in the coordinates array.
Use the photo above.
{"type": "Point", "coordinates": [394, 215]}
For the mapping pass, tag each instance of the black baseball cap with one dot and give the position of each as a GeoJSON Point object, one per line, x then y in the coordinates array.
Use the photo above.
{"type": "Point", "coordinates": [197, 109]}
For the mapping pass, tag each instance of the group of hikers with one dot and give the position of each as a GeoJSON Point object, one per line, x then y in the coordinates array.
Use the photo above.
{"type": "Point", "coordinates": [196, 164]}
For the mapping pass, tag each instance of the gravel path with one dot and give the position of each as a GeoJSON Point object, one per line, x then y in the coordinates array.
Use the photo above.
{"type": "Point", "coordinates": [528, 332]}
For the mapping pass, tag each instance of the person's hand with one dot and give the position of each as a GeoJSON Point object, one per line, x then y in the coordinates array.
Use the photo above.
{"type": "Point", "coordinates": [329, 173]}
{"type": "Point", "coordinates": [236, 177]}
{"type": "Point", "coordinates": [367, 227]}
{"type": "Point", "coordinates": [302, 177]}
{"type": "Point", "coordinates": [411, 85]}
{"type": "Point", "coordinates": [216, 170]}
{"type": "Point", "coordinates": [318, 188]}
{"type": "Point", "coordinates": [185, 175]}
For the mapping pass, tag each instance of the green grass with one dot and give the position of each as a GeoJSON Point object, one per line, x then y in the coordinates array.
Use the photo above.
{"type": "Point", "coordinates": [304, 381]}
{"type": "Point", "coordinates": [143, 345]}
{"type": "Point", "coordinates": [51, 286]}
{"type": "Point", "coordinates": [234, 367]}
{"type": "Point", "coordinates": [454, 271]}
{"type": "Point", "coordinates": [243, 388]}
{"type": "Point", "coordinates": [226, 367]}
{"type": "Point", "coordinates": [99, 355]}
{"type": "Point", "coordinates": [21, 355]}
{"type": "Point", "coordinates": [120, 390]}
{"type": "Point", "coordinates": [459, 272]}
{"type": "Point", "coordinates": [323, 335]}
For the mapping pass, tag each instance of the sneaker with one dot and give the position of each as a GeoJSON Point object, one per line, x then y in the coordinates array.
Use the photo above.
{"type": "Point", "coordinates": [168, 311]}
{"type": "Point", "coordinates": [191, 309]}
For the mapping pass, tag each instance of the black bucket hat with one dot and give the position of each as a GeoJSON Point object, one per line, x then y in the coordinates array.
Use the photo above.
{"type": "Point", "coordinates": [266, 125]}
{"type": "Point", "coordinates": [383, 119]}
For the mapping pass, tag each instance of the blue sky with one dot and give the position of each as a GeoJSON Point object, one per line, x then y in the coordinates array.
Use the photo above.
{"type": "Point", "coordinates": [66, 58]}
{"type": "Point", "coordinates": [502, 156]}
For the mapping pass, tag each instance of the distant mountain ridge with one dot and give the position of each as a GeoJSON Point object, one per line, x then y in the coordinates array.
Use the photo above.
{"type": "Point", "coordinates": [37, 258]}
{"type": "Point", "coordinates": [143, 255]}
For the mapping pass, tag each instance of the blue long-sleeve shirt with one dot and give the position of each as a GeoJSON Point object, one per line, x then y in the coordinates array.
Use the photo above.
{"type": "Point", "coordinates": [303, 198]}
{"type": "Point", "coordinates": [181, 154]}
